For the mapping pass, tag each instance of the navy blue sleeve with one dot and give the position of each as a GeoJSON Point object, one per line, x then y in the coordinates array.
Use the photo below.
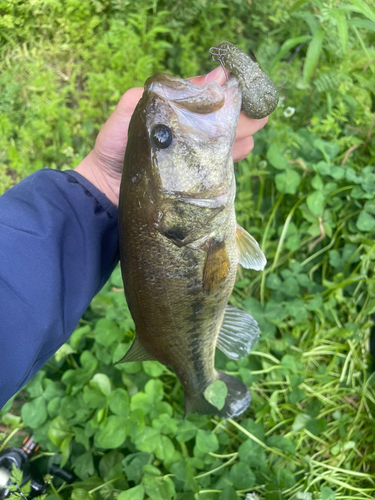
{"type": "Point", "coordinates": [58, 246]}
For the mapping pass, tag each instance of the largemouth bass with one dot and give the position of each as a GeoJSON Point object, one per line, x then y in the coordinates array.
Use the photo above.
{"type": "Point", "coordinates": [179, 241]}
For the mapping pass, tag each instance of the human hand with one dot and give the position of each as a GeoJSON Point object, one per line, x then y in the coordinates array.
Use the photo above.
{"type": "Point", "coordinates": [103, 166]}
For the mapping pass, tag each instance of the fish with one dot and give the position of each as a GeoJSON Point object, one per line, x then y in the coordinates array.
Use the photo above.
{"type": "Point", "coordinates": [180, 244]}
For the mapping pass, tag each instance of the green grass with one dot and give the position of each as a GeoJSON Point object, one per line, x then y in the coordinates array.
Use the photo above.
{"type": "Point", "coordinates": [306, 194]}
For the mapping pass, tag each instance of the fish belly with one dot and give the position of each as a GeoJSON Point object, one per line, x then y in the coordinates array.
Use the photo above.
{"type": "Point", "coordinates": [177, 297]}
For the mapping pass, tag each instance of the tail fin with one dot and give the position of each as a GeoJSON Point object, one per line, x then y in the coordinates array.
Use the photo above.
{"type": "Point", "coordinates": [236, 402]}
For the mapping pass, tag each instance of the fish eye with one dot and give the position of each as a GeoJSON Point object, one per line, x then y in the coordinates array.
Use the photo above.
{"type": "Point", "coordinates": [161, 136]}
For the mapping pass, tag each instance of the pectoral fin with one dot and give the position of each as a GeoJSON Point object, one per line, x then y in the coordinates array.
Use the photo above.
{"type": "Point", "coordinates": [216, 267]}
{"type": "Point", "coordinates": [250, 255]}
{"type": "Point", "coordinates": [136, 353]}
{"type": "Point", "coordinates": [238, 334]}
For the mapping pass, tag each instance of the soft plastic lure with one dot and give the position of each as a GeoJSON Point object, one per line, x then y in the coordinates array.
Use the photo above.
{"type": "Point", "coordinates": [259, 94]}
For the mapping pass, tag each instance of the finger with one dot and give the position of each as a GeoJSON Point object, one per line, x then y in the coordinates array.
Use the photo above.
{"type": "Point", "coordinates": [129, 100]}
{"type": "Point", "coordinates": [248, 126]}
{"type": "Point", "coordinates": [118, 122]}
{"type": "Point", "coordinates": [242, 148]}
{"type": "Point", "coordinates": [111, 140]}
{"type": "Point", "coordinates": [217, 75]}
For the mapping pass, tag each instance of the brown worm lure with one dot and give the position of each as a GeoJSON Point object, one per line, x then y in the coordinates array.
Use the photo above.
{"type": "Point", "coordinates": [259, 94]}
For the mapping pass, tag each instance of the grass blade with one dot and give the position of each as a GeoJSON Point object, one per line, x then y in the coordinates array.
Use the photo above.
{"type": "Point", "coordinates": [364, 9]}
{"type": "Point", "coordinates": [312, 56]}
{"type": "Point", "coordinates": [342, 29]}
{"type": "Point", "coordinates": [287, 46]}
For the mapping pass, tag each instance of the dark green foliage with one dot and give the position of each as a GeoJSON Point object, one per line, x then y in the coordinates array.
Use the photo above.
{"type": "Point", "coordinates": [306, 194]}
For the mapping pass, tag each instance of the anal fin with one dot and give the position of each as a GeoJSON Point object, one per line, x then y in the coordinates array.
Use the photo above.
{"type": "Point", "coordinates": [136, 353]}
{"type": "Point", "coordinates": [250, 256]}
{"type": "Point", "coordinates": [238, 334]}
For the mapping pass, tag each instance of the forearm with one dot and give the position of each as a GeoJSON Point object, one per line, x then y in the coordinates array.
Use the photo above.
{"type": "Point", "coordinates": [58, 246]}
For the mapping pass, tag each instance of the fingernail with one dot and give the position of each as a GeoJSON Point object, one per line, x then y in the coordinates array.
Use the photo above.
{"type": "Point", "coordinates": [213, 75]}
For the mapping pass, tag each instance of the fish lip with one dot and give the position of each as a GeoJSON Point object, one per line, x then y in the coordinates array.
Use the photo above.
{"type": "Point", "coordinates": [202, 99]}
{"type": "Point", "coordinates": [202, 141]}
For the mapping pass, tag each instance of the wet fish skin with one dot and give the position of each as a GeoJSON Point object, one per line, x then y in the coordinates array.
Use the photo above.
{"type": "Point", "coordinates": [178, 231]}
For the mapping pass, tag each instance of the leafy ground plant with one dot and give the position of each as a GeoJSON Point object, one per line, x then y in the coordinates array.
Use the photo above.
{"type": "Point", "coordinates": [306, 194]}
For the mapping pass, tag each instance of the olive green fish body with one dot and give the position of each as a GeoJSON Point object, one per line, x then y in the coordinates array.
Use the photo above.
{"type": "Point", "coordinates": [259, 95]}
{"type": "Point", "coordinates": [179, 241]}
{"type": "Point", "coordinates": [177, 317]}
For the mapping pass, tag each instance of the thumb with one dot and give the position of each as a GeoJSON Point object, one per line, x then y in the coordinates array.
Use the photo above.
{"type": "Point", "coordinates": [217, 75]}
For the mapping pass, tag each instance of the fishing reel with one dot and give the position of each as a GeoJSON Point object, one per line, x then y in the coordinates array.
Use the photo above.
{"type": "Point", "coordinates": [20, 457]}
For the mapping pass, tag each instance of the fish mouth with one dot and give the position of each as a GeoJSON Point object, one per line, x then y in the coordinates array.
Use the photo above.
{"type": "Point", "coordinates": [203, 121]}
{"type": "Point", "coordinates": [201, 99]}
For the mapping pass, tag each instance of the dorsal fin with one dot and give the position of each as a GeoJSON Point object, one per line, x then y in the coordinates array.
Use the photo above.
{"type": "Point", "coordinates": [238, 334]}
{"type": "Point", "coordinates": [250, 255]}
